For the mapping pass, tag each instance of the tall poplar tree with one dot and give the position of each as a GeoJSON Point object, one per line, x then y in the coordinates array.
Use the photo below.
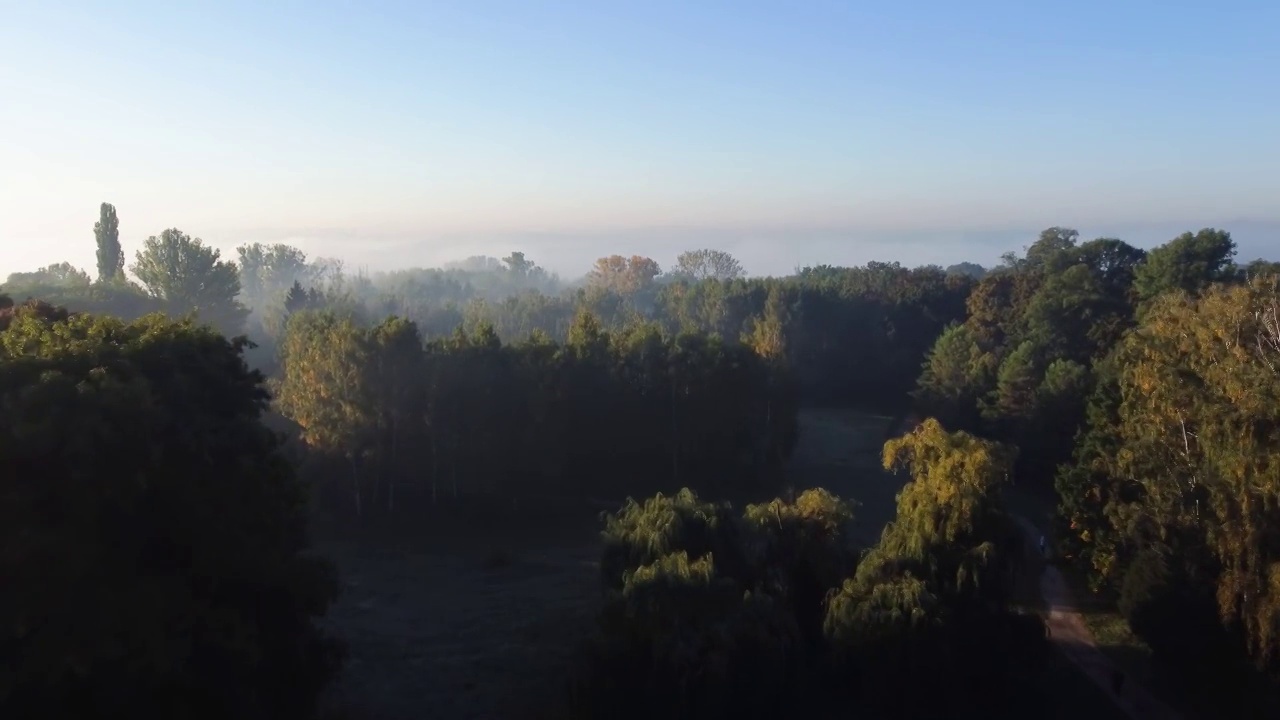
{"type": "Point", "coordinates": [107, 233]}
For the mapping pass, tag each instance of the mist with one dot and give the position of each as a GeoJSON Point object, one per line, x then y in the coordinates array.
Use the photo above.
{"type": "Point", "coordinates": [763, 251]}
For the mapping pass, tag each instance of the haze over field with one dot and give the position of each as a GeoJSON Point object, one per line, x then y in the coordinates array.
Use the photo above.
{"type": "Point", "coordinates": [416, 133]}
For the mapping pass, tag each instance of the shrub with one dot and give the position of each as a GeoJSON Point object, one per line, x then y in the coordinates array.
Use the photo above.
{"type": "Point", "coordinates": [643, 533]}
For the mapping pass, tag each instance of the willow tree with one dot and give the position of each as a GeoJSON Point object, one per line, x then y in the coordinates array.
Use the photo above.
{"type": "Point", "coordinates": [929, 603]}
{"type": "Point", "coordinates": [950, 528]}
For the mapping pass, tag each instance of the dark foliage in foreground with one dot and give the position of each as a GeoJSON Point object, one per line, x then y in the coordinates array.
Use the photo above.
{"type": "Point", "coordinates": [713, 613]}
{"type": "Point", "coordinates": [156, 535]}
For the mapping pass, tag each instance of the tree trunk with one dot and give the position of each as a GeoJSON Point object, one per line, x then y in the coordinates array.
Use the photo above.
{"type": "Point", "coordinates": [453, 470]}
{"type": "Point", "coordinates": [355, 485]}
{"type": "Point", "coordinates": [394, 467]}
{"type": "Point", "coordinates": [435, 471]}
{"type": "Point", "coordinates": [675, 438]}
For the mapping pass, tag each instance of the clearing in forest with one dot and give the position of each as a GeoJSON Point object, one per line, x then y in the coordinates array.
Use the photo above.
{"type": "Point", "coordinates": [466, 619]}
{"type": "Point", "coordinates": [840, 450]}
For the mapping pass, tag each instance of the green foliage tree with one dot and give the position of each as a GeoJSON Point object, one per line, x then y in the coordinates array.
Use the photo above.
{"type": "Point", "coordinates": [956, 374]}
{"type": "Point", "coordinates": [62, 275]}
{"type": "Point", "coordinates": [110, 255]}
{"type": "Point", "coordinates": [1198, 396]}
{"type": "Point", "coordinates": [188, 276]}
{"type": "Point", "coordinates": [776, 613]}
{"type": "Point", "coordinates": [967, 269]}
{"type": "Point", "coordinates": [1188, 262]}
{"type": "Point", "coordinates": [154, 536]}
{"type": "Point", "coordinates": [268, 271]}
{"type": "Point", "coordinates": [707, 264]}
{"type": "Point", "coordinates": [930, 602]}
{"type": "Point", "coordinates": [327, 388]}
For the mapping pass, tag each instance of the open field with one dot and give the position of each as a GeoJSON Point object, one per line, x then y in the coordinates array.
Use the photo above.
{"type": "Point", "coordinates": [456, 623]}
{"type": "Point", "coordinates": [840, 450]}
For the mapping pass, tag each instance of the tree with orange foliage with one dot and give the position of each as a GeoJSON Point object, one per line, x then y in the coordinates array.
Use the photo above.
{"type": "Point", "coordinates": [625, 276]}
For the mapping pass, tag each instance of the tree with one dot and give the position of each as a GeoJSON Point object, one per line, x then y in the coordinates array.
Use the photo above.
{"type": "Point", "coordinates": [154, 535]}
{"type": "Point", "coordinates": [1052, 244]}
{"type": "Point", "coordinates": [518, 265]}
{"type": "Point", "coordinates": [1187, 262]}
{"type": "Point", "coordinates": [267, 271]}
{"type": "Point", "coordinates": [328, 389]}
{"type": "Point", "coordinates": [768, 333]}
{"type": "Point", "coordinates": [955, 377]}
{"type": "Point", "coordinates": [1198, 419]}
{"type": "Point", "coordinates": [625, 276]}
{"type": "Point", "coordinates": [189, 276]}
{"type": "Point", "coordinates": [950, 529]}
{"type": "Point", "coordinates": [107, 233]}
{"type": "Point", "coordinates": [299, 299]}
{"type": "Point", "coordinates": [967, 269]}
{"type": "Point", "coordinates": [930, 602]}
{"type": "Point", "coordinates": [698, 265]}
{"type": "Point", "coordinates": [397, 376]}
{"type": "Point", "coordinates": [64, 275]}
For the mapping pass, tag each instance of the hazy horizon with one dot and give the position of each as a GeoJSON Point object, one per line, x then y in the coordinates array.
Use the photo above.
{"type": "Point", "coordinates": [762, 252]}
{"type": "Point", "coordinates": [397, 134]}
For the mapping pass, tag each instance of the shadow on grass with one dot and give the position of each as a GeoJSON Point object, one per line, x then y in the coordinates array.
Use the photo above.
{"type": "Point", "coordinates": [1068, 694]}
{"type": "Point", "coordinates": [470, 613]}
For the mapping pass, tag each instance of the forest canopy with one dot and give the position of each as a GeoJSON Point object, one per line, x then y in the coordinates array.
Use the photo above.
{"type": "Point", "coordinates": [1131, 388]}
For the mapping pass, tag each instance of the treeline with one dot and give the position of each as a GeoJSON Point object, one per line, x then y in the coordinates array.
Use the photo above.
{"type": "Point", "coordinates": [1022, 363]}
{"type": "Point", "coordinates": [1140, 388]}
{"type": "Point", "coordinates": [601, 415]}
{"type": "Point", "coordinates": [1171, 501]}
{"type": "Point", "coordinates": [158, 533]}
{"type": "Point", "coordinates": [775, 611]}
{"type": "Point", "coordinates": [852, 335]}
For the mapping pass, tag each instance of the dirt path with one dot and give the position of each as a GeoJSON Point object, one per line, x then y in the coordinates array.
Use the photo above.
{"type": "Point", "coordinates": [1072, 637]}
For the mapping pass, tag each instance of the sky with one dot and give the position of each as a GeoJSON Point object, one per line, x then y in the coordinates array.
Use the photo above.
{"type": "Point", "coordinates": [790, 133]}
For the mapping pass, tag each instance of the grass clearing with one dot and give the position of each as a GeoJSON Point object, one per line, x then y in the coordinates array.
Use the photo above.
{"type": "Point", "coordinates": [464, 618]}
{"type": "Point", "coordinates": [840, 450]}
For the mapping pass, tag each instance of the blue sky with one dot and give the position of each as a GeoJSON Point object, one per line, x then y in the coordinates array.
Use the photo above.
{"type": "Point", "coordinates": [809, 131]}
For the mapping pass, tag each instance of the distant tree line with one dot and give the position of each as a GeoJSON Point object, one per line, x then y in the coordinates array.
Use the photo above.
{"type": "Point", "coordinates": [853, 335]}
